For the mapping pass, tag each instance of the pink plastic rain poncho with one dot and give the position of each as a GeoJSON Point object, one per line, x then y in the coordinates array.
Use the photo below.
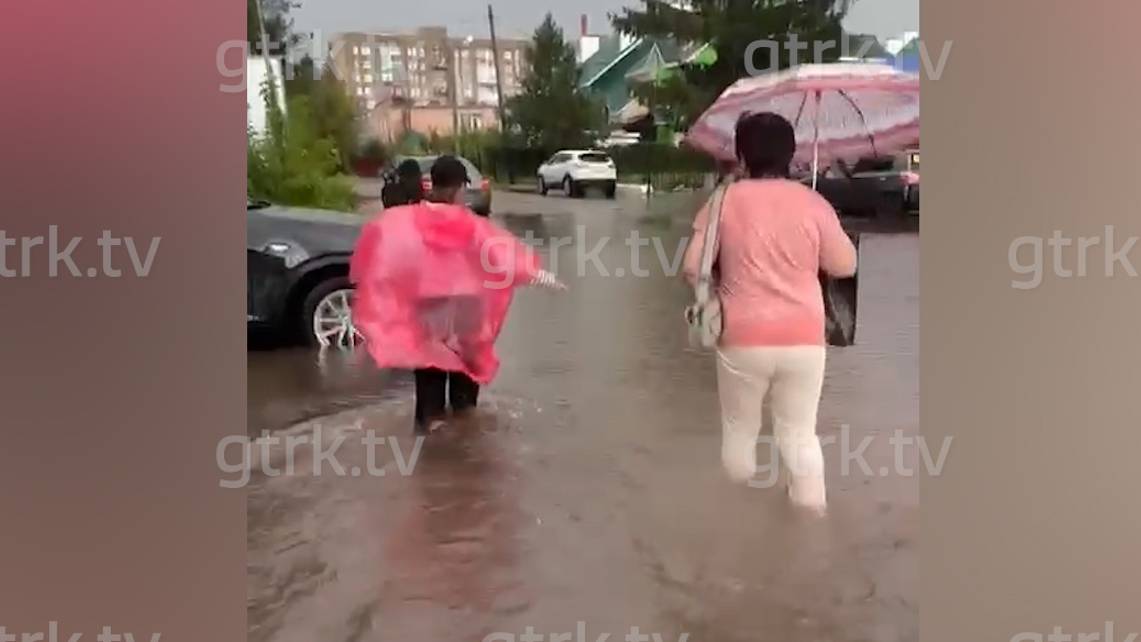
{"type": "Point", "coordinates": [433, 286]}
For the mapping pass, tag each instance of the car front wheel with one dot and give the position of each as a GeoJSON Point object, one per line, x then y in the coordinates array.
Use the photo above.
{"type": "Point", "coordinates": [327, 315]}
{"type": "Point", "coordinates": [542, 186]}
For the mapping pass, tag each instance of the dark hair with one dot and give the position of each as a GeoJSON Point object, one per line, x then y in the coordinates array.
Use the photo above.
{"type": "Point", "coordinates": [766, 143]}
{"type": "Point", "coordinates": [407, 180]}
{"type": "Point", "coordinates": [409, 168]}
{"type": "Point", "coordinates": [448, 172]}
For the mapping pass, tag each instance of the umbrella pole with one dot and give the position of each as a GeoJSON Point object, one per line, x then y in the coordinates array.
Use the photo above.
{"type": "Point", "coordinates": [815, 162]}
{"type": "Point", "coordinates": [816, 141]}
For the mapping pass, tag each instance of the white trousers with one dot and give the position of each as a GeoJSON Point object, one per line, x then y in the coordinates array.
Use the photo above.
{"type": "Point", "coordinates": [791, 377]}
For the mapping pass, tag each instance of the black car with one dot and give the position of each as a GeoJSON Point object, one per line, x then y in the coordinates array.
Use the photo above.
{"type": "Point", "coordinates": [884, 188]}
{"type": "Point", "coordinates": [297, 271]}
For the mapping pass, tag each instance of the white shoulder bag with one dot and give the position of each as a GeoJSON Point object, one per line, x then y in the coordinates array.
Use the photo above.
{"type": "Point", "coordinates": [704, 315]}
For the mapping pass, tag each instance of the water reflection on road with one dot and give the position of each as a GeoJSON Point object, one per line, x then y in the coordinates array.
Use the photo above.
{"type": "Point", "coordinates": [588, 487]}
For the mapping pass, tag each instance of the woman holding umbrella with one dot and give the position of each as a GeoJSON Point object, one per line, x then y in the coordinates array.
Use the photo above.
{"type": "Point", "coordinates": [775, 236]}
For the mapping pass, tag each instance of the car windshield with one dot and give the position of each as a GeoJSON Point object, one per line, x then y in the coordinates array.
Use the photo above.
{"type": "Point", "coordinates": [874, 165]}
{"type": "Point", "coordinates": [595, 157]}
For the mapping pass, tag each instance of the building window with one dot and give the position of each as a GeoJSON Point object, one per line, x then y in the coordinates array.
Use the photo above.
{"type": "Point", "coordinates": [366, 50]}
{"type": "Point", "coordinates": [356, 50]}
{"type": "Point", "coordinates": [472, 122]}
{"type": "Point", "coordinates": [368, 78]}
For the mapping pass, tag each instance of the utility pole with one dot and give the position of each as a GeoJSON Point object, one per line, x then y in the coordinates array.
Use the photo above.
{"type": "Point", "coordinates": [274, 110]}
{"type": "Point", "coordinates": [495, 54]}
{"type": "Point", "coordinates": [265, 50]}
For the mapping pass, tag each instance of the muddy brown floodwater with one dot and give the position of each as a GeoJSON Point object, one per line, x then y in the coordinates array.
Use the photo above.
{"type": "Point", "coordinates": [586, 497]}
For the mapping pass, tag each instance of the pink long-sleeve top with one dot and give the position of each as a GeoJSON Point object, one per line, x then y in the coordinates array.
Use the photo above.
{"type": "Point", "coordinates": [776, 236]}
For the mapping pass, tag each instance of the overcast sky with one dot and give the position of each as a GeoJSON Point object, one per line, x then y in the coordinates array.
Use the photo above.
{"type": "Point", "coordinates": [518, 18]}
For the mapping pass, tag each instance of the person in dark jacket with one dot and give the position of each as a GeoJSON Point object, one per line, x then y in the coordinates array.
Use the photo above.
{"type": "Point", "coordinates": [405, 188]}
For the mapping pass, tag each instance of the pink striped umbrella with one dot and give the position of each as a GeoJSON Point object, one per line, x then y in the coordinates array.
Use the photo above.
{"type": "Point", "coordinates": [839, 110]}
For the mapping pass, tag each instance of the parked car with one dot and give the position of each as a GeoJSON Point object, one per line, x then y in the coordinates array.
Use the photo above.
{"type": "Point", "coordinates": [883, 188]}
{"type": "Point", "coordinates": [297, 272]}
{"type": "Point", "coordinates": [575, 170]}
{"type": "Point", "coordinates": [478, 194]}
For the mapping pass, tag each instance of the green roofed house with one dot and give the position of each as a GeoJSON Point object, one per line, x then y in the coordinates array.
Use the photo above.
{"type": "Point", "coordinates": [619, 63]}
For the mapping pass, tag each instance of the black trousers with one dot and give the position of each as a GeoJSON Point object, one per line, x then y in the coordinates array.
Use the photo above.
{"type": "Point", "coordinates": [436, 389]}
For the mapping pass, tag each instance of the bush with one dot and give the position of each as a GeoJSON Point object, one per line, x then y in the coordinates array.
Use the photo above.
{"type": "Point", "coordinates": [369, 158]}
{"type": "Point", "coordinates": [412, 144]}
{"type": "Point", "coordinates": [291, 165]}
{"type": "Point", "coordinates": [476, 146]}
{"type": "Point", "coordinates": [512, 162]}
{"type": "Point", "coordinates": [373, 151]}
{"type": "Point", "coordinates": [659, 158]}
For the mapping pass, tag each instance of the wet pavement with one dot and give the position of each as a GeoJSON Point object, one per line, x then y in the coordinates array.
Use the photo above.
{"type": "Point", "coordinates": [586, 497]}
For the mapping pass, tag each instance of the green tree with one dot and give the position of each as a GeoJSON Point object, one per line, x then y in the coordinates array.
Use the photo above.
{"type": "Point", "coordinates": [292, 163]}
{"type": "Point", "coordinates": [330, 106]}
{"type": "Point", "coordinates": [669, 98]}
{"type": "Point", "coordinates": [300, 77]}
{"type": "Point", "coordinates": [550, 111]}
{"type": "Point", "coordinates": [278, 26]}
{"type": "Point", "coordinates": [730, 27]}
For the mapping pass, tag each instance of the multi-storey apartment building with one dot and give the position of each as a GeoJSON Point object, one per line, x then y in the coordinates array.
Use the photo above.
{"type": "Point", "coordinates": [427, 69]}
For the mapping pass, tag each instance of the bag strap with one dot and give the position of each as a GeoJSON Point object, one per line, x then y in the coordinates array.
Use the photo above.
{"type": "Point", "coordinates": [709, 244]}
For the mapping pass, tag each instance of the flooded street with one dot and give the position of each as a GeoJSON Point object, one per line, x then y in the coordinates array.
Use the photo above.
{"type": "Point", "coordinates": [586, 498]}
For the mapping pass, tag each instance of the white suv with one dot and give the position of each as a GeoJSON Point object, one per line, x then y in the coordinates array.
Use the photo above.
{"type": "Point", "coordinates": [574, 170]}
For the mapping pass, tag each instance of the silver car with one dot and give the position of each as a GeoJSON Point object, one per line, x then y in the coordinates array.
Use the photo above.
{"type": "Point", "coordinates": [478, 194]}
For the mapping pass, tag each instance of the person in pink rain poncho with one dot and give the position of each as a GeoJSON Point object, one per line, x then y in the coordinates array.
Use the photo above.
{"type": "Point", "coordinates": [434, 282]}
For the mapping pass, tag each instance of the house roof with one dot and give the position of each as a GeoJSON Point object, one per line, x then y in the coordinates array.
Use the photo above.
{"type": "Point", "coordinates": [658, 52]}
{"type": "Point", "coordinates": [671, 57]}
{"type": "Point", "coordinates": [648, 68]}
{"type": "Point", "coordinates": [607, 54]}
{"type": "Point", "coordinates": [670, 50]}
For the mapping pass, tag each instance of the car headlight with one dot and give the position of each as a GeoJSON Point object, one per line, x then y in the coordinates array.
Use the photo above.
{"type": "Point", "coordinates": [292, 255]}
